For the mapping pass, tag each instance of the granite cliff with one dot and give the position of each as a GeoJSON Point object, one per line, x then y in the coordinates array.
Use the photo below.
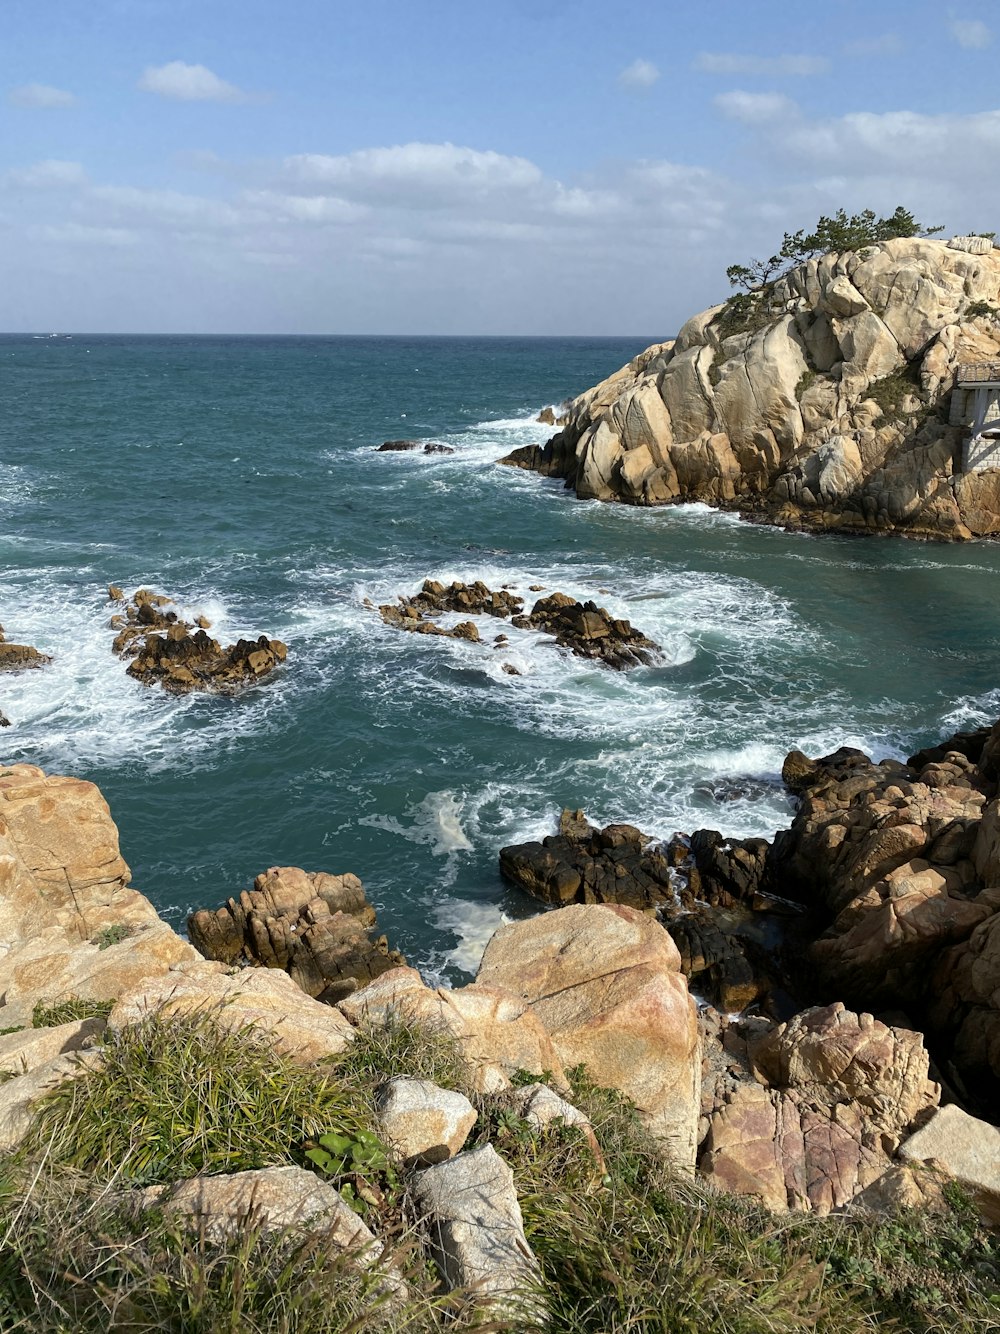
{"type": "Point", "coordinates": [827, 403]}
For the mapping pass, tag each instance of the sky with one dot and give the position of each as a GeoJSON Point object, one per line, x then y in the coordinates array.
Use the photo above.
{"type": "Point", "coordinates": [511, 167]}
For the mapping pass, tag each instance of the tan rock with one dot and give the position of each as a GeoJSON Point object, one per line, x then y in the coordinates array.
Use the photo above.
{"type": "Point", "coordinates": [261, 999]}
{"type": "Point", "coordinates": [18, 1095]}
{"type": "Point", "coordinates": [29, 1048]}
{"type": "Point", "coordinates": [423, 1123]}
{"type": "Point", "coordinates": [605, 982]}
{"type": "Point", "coordinates": [966, 1149]}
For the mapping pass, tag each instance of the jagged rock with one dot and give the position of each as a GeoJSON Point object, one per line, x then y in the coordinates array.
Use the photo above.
{"type": "Point", "coordinates": [730, 871]}
{"type": "Point", "coordinates": [401, 446]}
{"type": "Point", "coordinates": [585, 629]}
{"type": "Point", "coordinates": [423, 1123]}
{"type": "Point", "coordinates": [473, 1220]}
{"type": "Point", "coordinates": [63, 884]}
{"type": "Point", "coordinates": [313, 925]}
{"type": "Point", "coordinates": [604, 980]}
{"type": "Point", "coordinates": [185, 658]}
{"type": "Point", "coordinates": [4, 720]}
{"type": "Point", "coordinates": [261, 999]}
{"type": "Point", "coordinates": [715, 962]}
{"type": "Point", "coordinates": [271, 1199]}
{"type": "Point", "coordinates": [966, 1149]}
{"type": "Point", "coordinates": [843, 1089]}
{"type": "Point", "coordinates": [580, 864]}
{"type": "Point", "coordinates": [826, 408]}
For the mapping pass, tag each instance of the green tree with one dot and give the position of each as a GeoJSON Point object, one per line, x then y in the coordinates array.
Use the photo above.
{"type": "Point", "coordinates": [838, 233]}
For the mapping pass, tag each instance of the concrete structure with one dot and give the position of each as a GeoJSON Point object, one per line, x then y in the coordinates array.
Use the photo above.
{"type": "Point", "coordinates": [975, 403]}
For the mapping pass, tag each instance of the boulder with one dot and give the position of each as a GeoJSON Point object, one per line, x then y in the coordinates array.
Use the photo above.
{"type": "Point", "coordinates": [966, 1149]}
{"type": "Point", "coordinates": [315, 926]}
{"type": "Point", "coordinates": [543, 1108]}
{"type": "Point", "coordinates": [468, 1206]}
{"type": "Point", "coordinates": [424, 1124]}
{"type": "Point", "coordinates": [273, 1199]}
{"type": "Point", "coordinates": [18, 1095]}
{"type": "Point", "coordinates": [261, 999]}
{"type": "Point", "coordinates": [605, 982]}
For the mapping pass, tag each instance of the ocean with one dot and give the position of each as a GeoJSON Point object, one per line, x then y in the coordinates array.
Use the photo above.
{"type": "Point", "coordinates": [239, 475]}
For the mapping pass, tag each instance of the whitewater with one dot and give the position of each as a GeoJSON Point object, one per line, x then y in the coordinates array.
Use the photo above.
{"type": "Point", "coordinates": [241, 477]}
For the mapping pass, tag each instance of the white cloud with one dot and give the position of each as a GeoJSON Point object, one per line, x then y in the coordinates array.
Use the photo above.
{"type": "Point", "coordinates": [40, 95]}
{"type": "Point", "coordinates": [47, 175]}
{"type": "Point", "coordinates": [720, 62]}
{"type": "Point", "coordinates": [973, 34]}
{"type": "Point", "coordinates": [754, 108]}
{"type": "Point", "coordinates": [75, 233]}
{"type": "Point", "coordinates": [189, 83]}
{"type": "Point", "coordinates": [640, 74]}
{"type": "Point", "coordinates": [413, 175]}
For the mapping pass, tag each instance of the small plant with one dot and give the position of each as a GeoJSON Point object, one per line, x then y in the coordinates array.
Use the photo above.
{"type": "Point", "coordinates": [746, 312]}
{"type": "Point", "coordinates": [71, 1010]}
{"type": "Point", "coordinates": [112, 935]}
{"type": "Point", "coordinates": [981, 310]}
{"type": "Point", "coordinates": [805, 380]}
{"type": "Point", "coordinates": [360, 1165]}
{"type": "Point", "coordinates": [891, 390]}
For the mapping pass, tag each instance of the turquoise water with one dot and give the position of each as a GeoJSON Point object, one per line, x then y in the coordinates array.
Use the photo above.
{"type": "Point", "coordinates": [239, 476]}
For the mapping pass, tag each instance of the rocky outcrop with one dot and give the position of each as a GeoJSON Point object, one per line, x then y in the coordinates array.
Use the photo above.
{"type": "Point", "coordinates": [18, 658]}
{"type": "Point", "coordinates": [836, 1094]}
{"type": "Point", "coordinates": [180, 655]}
{"type": "Point", "coordinates": [315, 926]}
{"type": "Point", "coordinates": [822, 404]}
{"type": "Point", "coordinates": [605, 982]}
{"type": "Point", "coordinates": [69, 923]}
{"type": "Point", "coordinates": [584, 628]}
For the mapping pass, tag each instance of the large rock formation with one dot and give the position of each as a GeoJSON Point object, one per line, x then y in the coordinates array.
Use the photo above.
{"type": "Point", "coordinates": [825, 406]}
{"type": "Point", "coordinates": [315, 926]}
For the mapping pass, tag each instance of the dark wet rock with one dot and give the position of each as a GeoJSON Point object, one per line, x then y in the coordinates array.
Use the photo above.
{"type": "Point", "coordinates": [585, 629]}
{"type": "Point", "coordinates": [4, 720]}
{"type": "Point", "coordinates": [19, 657]}
{"type": "Point", "coordinates": [316, 927]}
{"type": "Point", "coordinates": [715, 962]}
{"type": "Point", "coordinates": [730, 871]}
{"type": "Point", "coordinates": [969, 744]}
{"type": "Point", "coordinates": [435, 448]}
{"type": "Point", "coordinates": [180, 655]}
{"type": "Point", "coordinates": [582, 864]}
{"type": "Point", "coordinates": [397, 446]}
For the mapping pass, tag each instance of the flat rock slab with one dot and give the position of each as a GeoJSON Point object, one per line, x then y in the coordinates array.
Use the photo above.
{"type": "Point", "coordinates": [18, 1095]}
{"type": "Point", "coordinates": [273, 1198]}
{"type": "Point", "coordinates": [425, 1124]}
{"type": "Point", "coordinates": [967, 1149]}
{"type": "Point", "coordinates": [470, 1208]}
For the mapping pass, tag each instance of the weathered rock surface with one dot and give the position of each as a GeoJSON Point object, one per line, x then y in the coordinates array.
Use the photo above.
{"type": "Point", "coordinates": [826, 408]}
{"type": "Point", "coordinates": [584, 628]}
{"type": "Point", "coordinates": [19, 657]}
{"type": "Point", "coordinates": [69, 923]}
{"type": "Point", "coordinates": [272, 1199]}
{"type": "Point", "coordinates": [18, 1095]}
{"type": "Point", "coordinates": [473, 1220]}
{"type": "Point", "coordinates": [839, 1092]}
{"type": "Point", "coordinates": [180, 655]}
{"type": "Point", "coordinates": [424, 1124]}
{"type": "Point", "coordinates": [965, 1148]}
{"type": "Point", "coordinates": [261, 999]}
{"type": "Point", "coordinates": [606, 983]}
{"type": "Point", "coordinates": [315, 926]}
{"type": "Point", "coordinates": [496, 1029]}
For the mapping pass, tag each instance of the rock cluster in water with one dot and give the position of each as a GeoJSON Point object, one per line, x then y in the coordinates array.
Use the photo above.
{"type": "Point", "coordinates": [315, 926]}
{"type": "Point", "coordinates": [19, 657]}
{"type": "Point", "coordinates": [584, 628]}
{"type": "Point", "coordinates": [181, 655]}
{"type": "Point", "coordinates": [404, 446]}
{"type": "Point", "coordinates": [827, 408]}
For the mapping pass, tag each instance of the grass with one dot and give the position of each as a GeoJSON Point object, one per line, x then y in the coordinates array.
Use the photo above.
{"type": "Point", "coordinates": [178, 1098]}
{"type": "Point", "coordinates": [69, 1011]}
{"type": "Point", "coordinates": [890, 391]}
{"type": "Point", "coordinates": [112, 935]}
{"type": "Point", "coordinates": [746, 312]}
{"type": "Point", "coordinates": [807, 378]}
{"type": "Point", "coordinates": [639, 1249]}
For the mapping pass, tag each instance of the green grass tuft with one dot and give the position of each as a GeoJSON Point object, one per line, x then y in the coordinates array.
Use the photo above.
{"type": "Point", "coordinates": [177, 1097]}
{"type": "Point", "coordinates": [69, 1011]}
{"type": "Point", "coordinates": [112, 935]}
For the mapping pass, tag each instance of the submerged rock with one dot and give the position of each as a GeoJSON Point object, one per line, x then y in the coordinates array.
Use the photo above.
{"type": "Point", "coordinates": [401, 446]}
{"type": "Point", "coordinates": [316, 927]}
{"type": "Point", "coordinates": [180, 655]}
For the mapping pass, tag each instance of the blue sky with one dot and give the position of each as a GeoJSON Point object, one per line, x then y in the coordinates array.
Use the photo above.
{"type": "Point", "coordinates": [521, 166]}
